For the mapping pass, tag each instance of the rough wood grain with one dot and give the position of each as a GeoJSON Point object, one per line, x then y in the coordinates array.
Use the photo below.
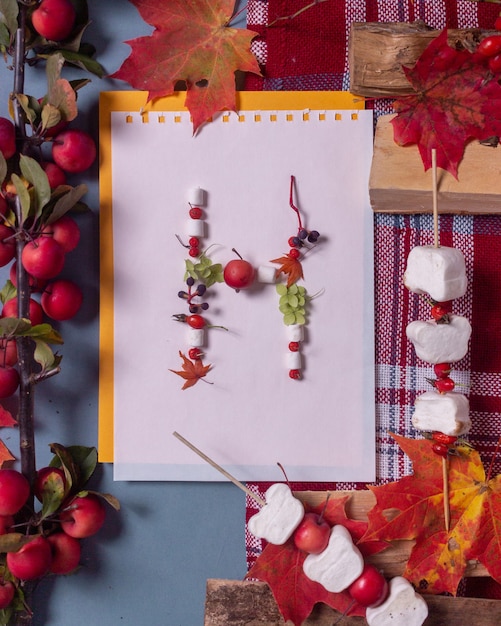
{"type": "Point", "coordinates": [249, 603]}
{"type": "Point", "coordinates": [399, 184]}
{"type": "Point", "coordinates": [377, 52]}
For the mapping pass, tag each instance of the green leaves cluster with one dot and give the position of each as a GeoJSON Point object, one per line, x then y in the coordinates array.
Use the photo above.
{"type": "Point", "coordinates": [204, 270]}
{"type": "Point", "coordinates": [292, 303]}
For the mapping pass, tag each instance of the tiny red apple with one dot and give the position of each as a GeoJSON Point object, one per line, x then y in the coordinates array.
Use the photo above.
{"type": "Point", "coordinates": [35, 313]}
{"type": "Point", "coordinates": [7, 592]}
{"type": "Point", "coordinates": [66, 552]}
{"type": "Point", "coordinates": [35, 284]}
{"type": "Point", "coordinates": [54, 19]}
{"type": "Point", "coordinates": [74, 150]}
{"type": "Point", "coordinates": [9, 381]}
{"type": "Point", "coordinates": [83, 517]}
{"type": "Point", "coordinates": [49, 480]}
{"type": "Point", "coordinates": [312, 534]}
{"type": "Point", "coordinates": [370, 589]}
{"type": "Point", "coordinates": [43, 257]}
{"type": "Point", "coordinates": [8, 352]}
{"type": "Point", "coordinates": [7, 137]}
{"type": "Point", "coordinates": [14, 491]}
{"type": "Point", "coordinates": [61, 300]}
{"type": "Point", "coordinates": [7, 245]}
{"type": "Point", "coordinates": [65, 231]}
{"type": "Point", "coordinates": [54, 173]}
{"type": "Point", "coordinates": [238, 273]}
{"type": "Point", "coordinates": [31, 560]}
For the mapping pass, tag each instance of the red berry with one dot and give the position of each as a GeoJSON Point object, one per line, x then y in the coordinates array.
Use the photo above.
{"type": "Point", "coordinates": [370, 588]}
{"type": "Point", "coordinates": [195, 321]}
{"type": "Point", "coordinates": [294, 346]}
{"type": "Point", "coordinates": [441, 449]}
{"type": "Point", "coordinates": [490, 46]}
{"type": "Point", "coordinates": [442, 370]}
{"type": "Point", "coordinates": [294, 253]}
{"type": "Point", "coordinates": [195, 213]}
{"type": "Point", "coordinates": [443, 385]}
{"type": "Point", "coordinates": [195, 354]}
{"type": "Point", "coordinates": [193, 241]}
{"type": "Point", "coordinates": [495, 63]}
{"type": "Point", "coordinates": [448, 440]}
{"type": "Point", "coordinates": [295, 374]}
{"type": "Point", "coordinates": [439, 312]}
{"type": "Point", "coordinates": [194, 252]}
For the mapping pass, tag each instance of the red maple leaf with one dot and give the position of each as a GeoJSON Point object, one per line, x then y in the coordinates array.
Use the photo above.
{"type": "Point", "coordinates": [192, 371]}
{"type": "Point", "coordinates": [6, 419]}
{"type": "Point", "coordinates": [281, 567]}
{"type": "Point", "coordinates": [192, 43]}
{"type": "Point", "coordinates": [413, 508]}
{"type": "Point", "coordinates": [291, 267]}
{"type": "Point", "coordinates": [456, 99]}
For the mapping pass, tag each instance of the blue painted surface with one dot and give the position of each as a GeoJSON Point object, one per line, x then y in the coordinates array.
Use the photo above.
{"type": "Point", "coordinates": [149, 565]}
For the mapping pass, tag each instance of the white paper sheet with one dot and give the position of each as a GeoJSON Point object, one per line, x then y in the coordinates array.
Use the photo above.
{"type": "Point", "coordinates": [252, 415]}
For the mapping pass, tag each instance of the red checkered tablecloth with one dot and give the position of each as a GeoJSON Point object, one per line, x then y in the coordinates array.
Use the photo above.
{"type": "Point", "coordinates": [309, 52]}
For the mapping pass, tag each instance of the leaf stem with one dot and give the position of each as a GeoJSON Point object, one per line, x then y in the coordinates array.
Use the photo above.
{"type": "Point", "coordinates": [302, 10]}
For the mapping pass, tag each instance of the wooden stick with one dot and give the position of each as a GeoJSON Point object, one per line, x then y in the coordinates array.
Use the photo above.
{"type": "Point", "coordinates": [445, 480]}
{"type": "Point", "coordinates": [435, 196]}
{"type": "Point", "coordinates": [219, 469]}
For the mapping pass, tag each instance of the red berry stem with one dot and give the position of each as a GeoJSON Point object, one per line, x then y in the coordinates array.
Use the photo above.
{"type": "Point", "coordinates": [293, 207]}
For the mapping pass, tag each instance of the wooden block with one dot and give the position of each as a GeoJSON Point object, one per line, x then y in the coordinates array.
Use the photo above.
{"type": "Point", "coordinates": [399, 184]}
{"type": "Point", "coordinates": [249, 603]}
{"type": "Point", "coordinates": [377, 52]}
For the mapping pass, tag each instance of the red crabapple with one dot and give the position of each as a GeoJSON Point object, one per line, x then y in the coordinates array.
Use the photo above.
{"type": "Point", "coordinates": [74, 150]}
{"type": "Point", "coordinates": [54, 19]}
{"type": "Point", "coordinates": [31, 560]}
{"type": "Point", "coordinates": [9, 381]}
{"type": "Point", "coordinates": [54, 173]}
{"type": "Point", "coordinates": [7, 137]}
{"type": "Point", "coordinates": [65, 231]}
{"type": "Point", "coordinates": [43, 257]}
{"type": "Point", "coordinates": [35, 314]}
{"type": "Point", "coordinates": [66, 553]}
{"type": "Point", "coordinates": [7, 245]}
{"type": "Point", "coordinates": [83, 517]}
{"type": "Point", "coordinates": [7, 592]}
{"type": "Point", "coordinates": [14, 491]}
{"type": "Point", "coordinates": [61, 300]}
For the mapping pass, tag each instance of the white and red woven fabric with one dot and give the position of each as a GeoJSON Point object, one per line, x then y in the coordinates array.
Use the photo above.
{"type": "Point", "coordinates": [309, 52]}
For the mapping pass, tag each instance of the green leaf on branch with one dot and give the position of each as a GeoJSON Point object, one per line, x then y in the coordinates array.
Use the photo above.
{"type": "Point", "coordinates": [23, 195]}
{"type": "Point", "coordinates": [7, 293]}
{"type": "Point", "coordinates": [3, 168]}
{"type": "Point", "coordinates": [11, 542]}
{"type": "Point", "coordinates": [77, 462]}
{"type": "Point", "coordinates": [29, 106]}
{"type": "Point", "coordinates": [42, 332]}
{"type": "Point", "coordinates": [33, 173]}
{"type": "Point", "coordinates": [84, 62]}
{"type": "Point", "coordinates": [44, 356]}
{"type": "Point", "coordinates": [9, 10]}
{"type": "Point", "coordinates": [54, 493]}
{"type": "Point", "coordinates": [63, 199]}
{"type": "Point", "coordinates": [86, 459]}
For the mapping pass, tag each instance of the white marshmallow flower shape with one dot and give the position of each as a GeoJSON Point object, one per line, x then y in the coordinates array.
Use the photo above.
{"type": "Point", "coordinates": [440, 343]}
{"type": "Point", "coordinates": [279, 517]}
{"type": "Point", "coordinates": [440, 272]}
{"type": "Point", "coordinates": [403, 606]}
{"type": "Point", "coordinates": [340, 564]}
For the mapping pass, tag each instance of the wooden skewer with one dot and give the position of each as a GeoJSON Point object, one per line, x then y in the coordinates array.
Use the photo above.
{"type": "Point", "coordinates": [219, 469]}
{"type": "Point", "coordinates": [435, 196]}
{"type": "Point", "coordinates": [445, 480]}
{"type": "Point", "coordinates": [445, 465]}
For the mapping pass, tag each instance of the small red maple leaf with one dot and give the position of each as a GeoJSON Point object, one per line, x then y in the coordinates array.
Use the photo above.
{"type": "Point", "coordinates": [456, 99]}
{"type": "Point", "coordinates": [192, 371]}
{"type": "Point", "coordinates": [191, 43]}
{"type": "Point", "coordinates": [291, 267]}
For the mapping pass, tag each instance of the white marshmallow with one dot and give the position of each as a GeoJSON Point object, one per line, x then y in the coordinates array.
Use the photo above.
{"type": "Point", "coordinates": [440, 343]}
{"type": "Point", "coordinates": [196, 196]}
{"type": "Point", "coordinates": [195, 228]}
{"type": "Point", "coordinates": [444, 412]}
{"type": "Point", "coordinates": [402, 607]}
{"type": "Point", "coordinates": [195, 337]}
{"type": "Point", "coordinates": [439, 272]}
{"type": "Point", "coordinates": [267, 274]}
{"type": "Point", "coordinates": [293, 360]}
{"type": "Point", "coordinates": [340, 564]}
{"type": "Point", "coordinates": [279, 517]}
{"type": "Point", "coordinates": [295, 332]}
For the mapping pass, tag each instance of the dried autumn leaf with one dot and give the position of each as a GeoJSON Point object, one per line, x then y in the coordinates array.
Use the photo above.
{"type": "Point", "coordinates": [6, 419]}
{"type": "Point", "coordinates": [5, 454]}
{"type": "Point", "coordinates": [413, 508]}
{"type": "Point", "coordinates": [456, 99]}
{"type": "Point", "coordinates": [192, 43]}
{"type": "Point", "coordinates": [281, 567]}
{"type": "Point", "coordinates": [289, 266]}
{"type": "Point", "coordinates": [192, 371]}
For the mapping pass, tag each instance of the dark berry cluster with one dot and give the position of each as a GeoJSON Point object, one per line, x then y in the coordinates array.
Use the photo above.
{"type": "Point", "coordinates": [192, 295]}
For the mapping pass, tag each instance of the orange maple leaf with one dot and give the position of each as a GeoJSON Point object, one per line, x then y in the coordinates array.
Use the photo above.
{"type": "Point", "coordinates": [291, 267]}
{"type": "Point", "coordinates": [192, 371]}
{"type": "Point", "coordinates": [6, 419]}
{"type": "Point", "coordinates": [191, 43]}
{"type": "Point", "coordinates": [413, 508]}
{"type": "Point", "coordinates": [5, 454]}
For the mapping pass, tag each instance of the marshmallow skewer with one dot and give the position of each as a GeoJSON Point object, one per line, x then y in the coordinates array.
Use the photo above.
{"type": "Point", "coordinates": [219, 468]}
{"type": "Point", "coordinates": [445, 464]}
